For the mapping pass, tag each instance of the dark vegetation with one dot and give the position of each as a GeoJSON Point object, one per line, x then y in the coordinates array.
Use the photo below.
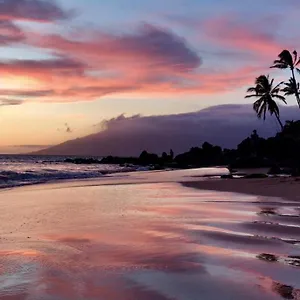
{"type": "Point", "coordinates": [80, 160]}
{"type": "Point", "coordinates": [279, 153]}
{"type": "Point", "coordinates": [266, 92]}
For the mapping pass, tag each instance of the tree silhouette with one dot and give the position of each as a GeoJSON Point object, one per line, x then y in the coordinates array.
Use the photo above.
{"type": "Point", "coordinates": [288, 60]}
{"type": "Point", "coordinates": [291, 87]}
{"type": "Point", "coordinates": [266, 93]}
{"type": "Point", "coordinates": [171, 154]}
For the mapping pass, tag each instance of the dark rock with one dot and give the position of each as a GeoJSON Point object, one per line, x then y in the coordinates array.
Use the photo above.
{"type": "Point", "coordinates": [267, 257]}
{"type": "Point", "coordinates": [267, 211]}
{"type": "Point", "coordinates": [295, 172]}
{"type": "Point", "coordinates": [250, 163]}
{"type": "Point", "coordinates": [256, 176]}
{"type": "Point", "coordinates": [228, 176]}
{"type": "Point", "coordinates": [294, 256]}
{"type": "Point", "coordinates": [283, 290]}
{"type": "Point", "coordinates": [79, 161]}
{"type": "Point", "coordinates": [114, 160]}
{"type": "Point", "coordinates": [275, 170]}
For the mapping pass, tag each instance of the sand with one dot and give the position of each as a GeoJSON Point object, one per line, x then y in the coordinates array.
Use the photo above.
{"type": "Point", "coordinates": [145, 236]}
{"type": "Point", "coordinates": [283, 187]}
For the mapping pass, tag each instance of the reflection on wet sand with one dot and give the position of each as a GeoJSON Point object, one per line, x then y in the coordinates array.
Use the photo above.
{"type": "Point", "coordinates": [147, 241]}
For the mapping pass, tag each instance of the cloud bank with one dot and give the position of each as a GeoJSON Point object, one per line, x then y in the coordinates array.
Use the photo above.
{"type": "Point", "coordinates": [87, 63]}
{"type": "Point", "coordinates": [225, 125]}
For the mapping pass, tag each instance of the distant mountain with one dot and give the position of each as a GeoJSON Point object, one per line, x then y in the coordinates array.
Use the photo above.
{"type": "Point", "coordinates": [224, 125]}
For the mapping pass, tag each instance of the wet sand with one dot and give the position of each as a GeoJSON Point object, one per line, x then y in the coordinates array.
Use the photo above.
{"type": "Point", "coordinates": [284, 187]}
{"type": "Point", "coordinates": [145, 236]}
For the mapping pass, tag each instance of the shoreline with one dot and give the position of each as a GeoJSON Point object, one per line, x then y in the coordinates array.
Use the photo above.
{"type": "Point", "coordinates": [278, 187]}
{"type": "Point", "coordinates": [164, 238]}
{"type": "Point", "coordinates": [117, 178]}
{"type": "Point", "coordinates": [281, 187]}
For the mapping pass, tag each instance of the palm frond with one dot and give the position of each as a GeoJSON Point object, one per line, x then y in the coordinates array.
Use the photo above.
{"type": "Point", "coordinates": [251, 96]}
{"type": "Point", "coordinates": [288, 92]}
{"type": "Point", "coordinates": [257, 104]}
{"type": "Point", "coordinates": [286, 57]}
{"type": "Point", "coordinates": [251, 90]}
{"type": "Point", "coordinates": [295, 57]}
{"type": "Point", "coordinates": [260, 112]}
{"type": "Point", "coordinates": [264, 110]}
{"type": "Point", "coordinates": [278, 85]}
{"type": "Point", "coordinates": [280, 98]}
{"type": "Point", "coordinates": [280, 66]}
{"type": "Point", "coordinates": [273, 107]}
{"type": "Point", "coordinates": [291, 87]}
{"type": "Point", "coordinates": [276, 91]}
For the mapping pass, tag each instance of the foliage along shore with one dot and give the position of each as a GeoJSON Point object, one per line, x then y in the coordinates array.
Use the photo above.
{"type": "Point", "coordinates": [279, 153]}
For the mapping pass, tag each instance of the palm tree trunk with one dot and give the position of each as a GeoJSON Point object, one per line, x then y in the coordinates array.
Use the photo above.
{"type": "Point", "coordinates": [296, 92]}
{"type": "Point", "coordinates": [279, 121]}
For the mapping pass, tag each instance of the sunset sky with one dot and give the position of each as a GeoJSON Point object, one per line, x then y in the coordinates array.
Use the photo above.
{"type": "Point", "coordinates": [66, 65]}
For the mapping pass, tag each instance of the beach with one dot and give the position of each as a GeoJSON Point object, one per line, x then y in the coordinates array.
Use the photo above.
{"type": "Point", "coordinates": [284, 187]}
{"type": "Point", "coordinates": [151, 235]}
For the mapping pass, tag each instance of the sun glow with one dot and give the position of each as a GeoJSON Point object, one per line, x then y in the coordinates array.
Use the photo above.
{"type": "Point", "coordinates": [18, 83]}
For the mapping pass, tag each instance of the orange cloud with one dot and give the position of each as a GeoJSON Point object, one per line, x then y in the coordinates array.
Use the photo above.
{"type": "Point", "coordinates": [56, 87]}
{"type": "Point", "coordinates": [80, 88]}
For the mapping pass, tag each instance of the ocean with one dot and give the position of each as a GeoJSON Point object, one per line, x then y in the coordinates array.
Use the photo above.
{"type": "Point", "coordinates": [18, 170]}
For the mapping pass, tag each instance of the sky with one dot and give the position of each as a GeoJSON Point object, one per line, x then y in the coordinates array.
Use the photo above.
{"type": "Point", "coordinates": [223, 125]}
{"type": "Point", "coordinates": [67, 65]}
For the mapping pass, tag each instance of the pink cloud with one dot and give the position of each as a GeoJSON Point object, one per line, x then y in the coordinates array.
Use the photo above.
{"type": "Point", "coordinates": [10, 33]}
{"type": "Point", "coordinates": [84, 87]}
{"type": "Point", "coordinates": [240, 36]}
{"type": "Point", "coordinates": [149, 47]}
{"type": "Point", "coordinates": [26, 93]}
{"type": "Point", "coordinates": [42, 70]}
{"type": "Point", "coordinates": [150, 61]}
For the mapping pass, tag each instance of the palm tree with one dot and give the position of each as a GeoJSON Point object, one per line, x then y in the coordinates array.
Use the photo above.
{"type": "Point", "coordinates": [288, 60]}
{"type": "Point", "coordinates": [291, 88]}
{"type": "Point", "coordinates": [265, 92]}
